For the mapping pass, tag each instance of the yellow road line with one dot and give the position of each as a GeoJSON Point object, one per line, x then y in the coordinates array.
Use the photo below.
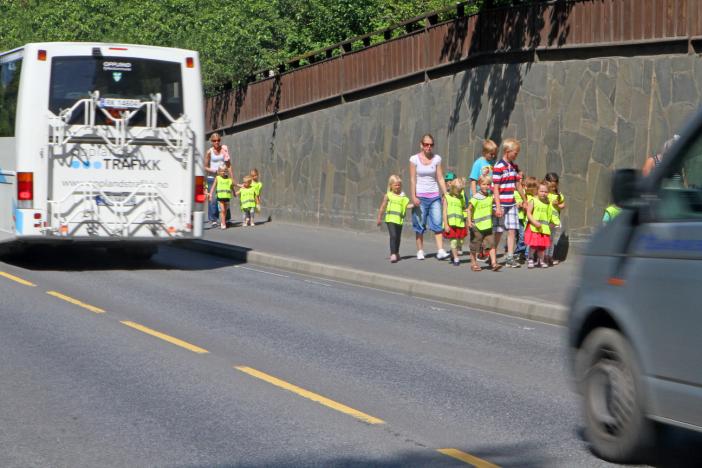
{"type": "Point", "coordinates": [467, 458]}
{"type": "Point", "coordinates": [163, 336]}
{"type": "Point", "coordinates": [91, 308]}
{"type": "Point", "coordinates": [16, 278]}
{"type": "Point", "coordinates": [310, 395]}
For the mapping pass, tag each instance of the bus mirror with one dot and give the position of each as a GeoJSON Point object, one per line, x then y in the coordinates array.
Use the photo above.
{"type": "Point", "coordinates": [625, 188]}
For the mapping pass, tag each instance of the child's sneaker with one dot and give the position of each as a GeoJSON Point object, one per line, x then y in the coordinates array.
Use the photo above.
{"type": "Point", "coordinates": [420, 255]}
{"type": "Point", "coordinates": [456, 262]}
{"type": "Point", "coordinates": [393, 258]}
{"type": "Point", "coordinates": [530, 263]}
{"type": "Point", "coordinates": [543, 264]}
{"type": "Point", "coordinates": [441, 254]}
{"type": "Point", "coordinates": [512, 262]}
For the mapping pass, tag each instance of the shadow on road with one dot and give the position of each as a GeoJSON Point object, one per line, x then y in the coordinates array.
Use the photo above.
{"type": "Point", "coordinates": [82, 258]}
{"type": "Point", "coordinates": [517, 455]}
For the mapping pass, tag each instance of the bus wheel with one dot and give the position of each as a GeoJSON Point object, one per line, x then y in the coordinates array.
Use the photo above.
{"type": "Point", "coordinates": [615, 421]}
{"type": "Point", "coordinates": [134, 252]}
{"type": "Point", "coordinates": [141, 252]}
{"type": "Point", "coordinates": [12, 251]}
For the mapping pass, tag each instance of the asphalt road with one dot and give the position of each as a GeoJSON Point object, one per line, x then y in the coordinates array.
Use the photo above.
{"type": "Point", "coordinates": [191, 360]}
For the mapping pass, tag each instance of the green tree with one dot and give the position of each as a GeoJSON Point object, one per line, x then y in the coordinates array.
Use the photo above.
{"type": "Point", "coordinates": [233, 38]}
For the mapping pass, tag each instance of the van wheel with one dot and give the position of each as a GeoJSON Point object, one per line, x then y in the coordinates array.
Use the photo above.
{"type": "Point", "coordinates": [615, 421]}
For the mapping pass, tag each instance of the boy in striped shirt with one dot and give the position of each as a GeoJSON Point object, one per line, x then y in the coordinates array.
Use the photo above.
{"type": "Point", "coordinates": [505, 175]}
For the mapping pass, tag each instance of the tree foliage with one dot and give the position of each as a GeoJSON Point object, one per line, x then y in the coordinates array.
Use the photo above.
{"type": "Point", "coordinates": [233, 38]}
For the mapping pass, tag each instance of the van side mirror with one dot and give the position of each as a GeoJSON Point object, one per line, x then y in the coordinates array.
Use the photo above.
{"type": "Point", "coordinates": [625, 188]}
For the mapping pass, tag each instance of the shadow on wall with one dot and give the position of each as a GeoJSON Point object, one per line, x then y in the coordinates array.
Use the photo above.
{"type": "Point", "coordinates": [273, 100]}
{"type": "Point", "coordinates": [516, 32]}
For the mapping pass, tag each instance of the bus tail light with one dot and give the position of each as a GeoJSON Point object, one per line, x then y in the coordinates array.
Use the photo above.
{"type": "Point", "coordinates": [200, 189]}
{"type": "Point", "coordinates": [190, 62]}
{"type": "Point", "coordinates": [41, 55]}
{"type": "Point", "coordinates": [25, 189]}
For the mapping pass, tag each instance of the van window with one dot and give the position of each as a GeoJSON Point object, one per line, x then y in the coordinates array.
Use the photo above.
{"type": "Point", "coordinates": [119, 80]}
{"type": "Point", "coordinates": [680, 191]}
{"type": "Point", "coordinates": [9, 89]}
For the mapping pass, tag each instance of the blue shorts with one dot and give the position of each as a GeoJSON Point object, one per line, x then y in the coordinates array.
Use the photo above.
{"type": "Point", "coordinates": [428, 213]}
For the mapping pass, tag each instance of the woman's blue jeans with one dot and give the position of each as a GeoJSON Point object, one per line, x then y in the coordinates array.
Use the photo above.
{"type": "Point", "coordinates": [427, 214]}
{"type": "Point", "coordinates": [212, 205]}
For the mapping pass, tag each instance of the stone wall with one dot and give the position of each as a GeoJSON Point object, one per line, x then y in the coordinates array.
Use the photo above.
{"type": "Point", "coordinates": [579, 118]}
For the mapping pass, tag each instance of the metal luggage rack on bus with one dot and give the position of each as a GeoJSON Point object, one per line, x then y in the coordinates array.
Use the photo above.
{"type": "Point", "coordinates": [84, 210]}
{"type": "Point", "coordinates": [177, 136]}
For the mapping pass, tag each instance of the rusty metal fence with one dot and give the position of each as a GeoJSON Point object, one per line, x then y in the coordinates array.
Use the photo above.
{"type": "Point", "coordinates": [419, 46]}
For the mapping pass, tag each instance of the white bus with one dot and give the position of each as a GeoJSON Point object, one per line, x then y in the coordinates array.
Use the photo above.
{"type": "Point", "coordinates": [101, 144]}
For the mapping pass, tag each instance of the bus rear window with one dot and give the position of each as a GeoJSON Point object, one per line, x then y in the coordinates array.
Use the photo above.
{"type": "Point", "coordinates": [122, 83]}
{"type": "Point", "coordinates": [9, 89]}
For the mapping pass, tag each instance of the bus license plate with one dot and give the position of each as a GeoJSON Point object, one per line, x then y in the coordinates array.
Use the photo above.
{"type": "Point", "coordinates": [115, 103]}
{"type": "Point", "coordinates": [111, 198]}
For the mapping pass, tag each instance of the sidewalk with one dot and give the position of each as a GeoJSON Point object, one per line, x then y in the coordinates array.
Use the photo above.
{"type": "Point", "coordinates": [362, 258]}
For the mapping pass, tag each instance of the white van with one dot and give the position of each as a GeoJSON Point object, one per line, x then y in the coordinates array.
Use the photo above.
{"type": "Point", "coordinates": [635, 323]}
{"type": "Point", "coordinates": [100, 143]}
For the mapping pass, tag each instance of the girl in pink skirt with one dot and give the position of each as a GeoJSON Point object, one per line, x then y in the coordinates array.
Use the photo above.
{"type": "Point", "coordinates": [538, 233]}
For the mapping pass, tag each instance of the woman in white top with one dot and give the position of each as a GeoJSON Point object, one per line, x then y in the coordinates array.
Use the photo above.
{"type": "Point", "coordinates": [427, 186]}
{"type": "Point", "coordinates": [218, 154]}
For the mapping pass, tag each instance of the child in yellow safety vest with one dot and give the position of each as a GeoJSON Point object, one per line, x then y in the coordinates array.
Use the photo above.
{"type": "Point", "coordinates": [557, 200]}
{"type": "Point", "coordinates": [258, 186]}
{"type": "Point", "coordinates": [455, 217]}
{"type": "Point", "coordinates": [247, 201]}
{"type": "Point", "coordinates": [480, 211]}
{"type": "Point", "coordinates": [394, 206]}
{"type": "Point", "coordinates": [223, 186]}
{"type": "Point", "coordinates": [520, 251]}
{"type": "Point", "coordinates": [538, 233]}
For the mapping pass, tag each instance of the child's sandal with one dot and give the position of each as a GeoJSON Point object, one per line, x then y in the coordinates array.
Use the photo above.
{"type": "Point", "coordinates": [476, 268]}
{"type": "Point", "coordinates": [496, 267]}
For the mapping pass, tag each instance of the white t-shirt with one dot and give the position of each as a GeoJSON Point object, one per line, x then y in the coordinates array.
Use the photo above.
{"type": "Point", "coordinates": [218, 158]}
{"type": "Point", "coordinates": [427, 185]}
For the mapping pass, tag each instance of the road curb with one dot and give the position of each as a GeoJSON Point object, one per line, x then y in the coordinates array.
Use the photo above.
{"type": "Point", "coordinates": [517, 307]}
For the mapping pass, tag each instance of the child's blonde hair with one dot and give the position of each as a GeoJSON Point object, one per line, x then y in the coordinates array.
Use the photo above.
{"type": "Point", "coordinates": [248, 178]}
{"type": "Point", "coordinates": [394, 178]}
{"type": "Point", "coordinates": [531, 185]}
{"type": "Point", "coordinates": [540, 183]}
{"type": "Point", "coordinates": [511, 144]}
{"type": "Point", "coordinates": [456, 185]}
{"type": "Point", "coordinates": [489, 147]}
{"type": "Point", "coordinates": [484, 178]}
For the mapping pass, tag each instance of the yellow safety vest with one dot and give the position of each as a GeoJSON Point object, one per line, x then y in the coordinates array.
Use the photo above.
{"type": "Point", "coordinates": [454, 211]}
{"type": "Point", "coordinates": [224, 188]}
{"type": "Point", "coordinates": [482, 211]}
{"type": "Point", "coordinates": [396, 208]}
{"type": "Point", "coordinates": [613, 211]}
{"type": "Point", "coordinates": [543, 213]}
{"type": "Point", "coordinates": [257, 187]}
{"type": "Point", "coordinates": [247, 198]}
{"type": "Point", "coordinates": [520, 211]}
{"type": "Point", "coordinates": [555, 217]}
